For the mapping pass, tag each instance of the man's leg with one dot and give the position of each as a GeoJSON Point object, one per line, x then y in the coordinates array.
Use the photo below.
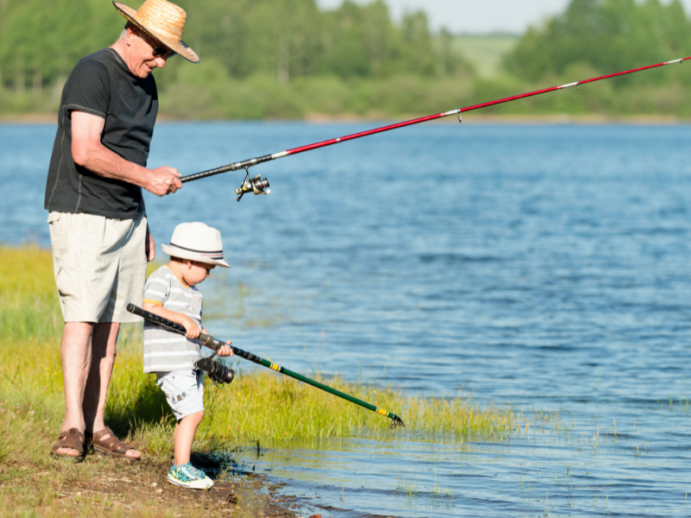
{"type": "Point", "coordinates": [103, 345]}
{"type": "Point", "coordinates": [75, 351]}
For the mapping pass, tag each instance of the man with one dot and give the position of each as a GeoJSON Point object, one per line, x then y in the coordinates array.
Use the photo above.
{"type": "Point", "coordinates": [98, 227]}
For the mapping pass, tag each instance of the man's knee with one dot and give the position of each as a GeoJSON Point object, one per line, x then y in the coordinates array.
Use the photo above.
{"type": "Point", "coordinates": [77, 333]}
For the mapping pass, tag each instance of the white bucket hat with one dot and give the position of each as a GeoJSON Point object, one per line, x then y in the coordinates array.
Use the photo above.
{"type": "Point", "coordinates": [196, 242]}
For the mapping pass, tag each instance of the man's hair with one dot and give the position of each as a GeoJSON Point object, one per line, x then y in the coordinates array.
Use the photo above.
{"type": "Point", "coordinates": [123, 34]}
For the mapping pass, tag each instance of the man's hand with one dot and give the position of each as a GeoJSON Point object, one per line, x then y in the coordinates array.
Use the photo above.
{"type": "Point", "coordinates": [192, 329]}
{"type": "Point", "coordinates": [89, 152]}
{"type": "Point", "coordinates": [225, 350]}
{"type": "Point", "coordinates": [150, 245]}
{"type": "Point", "coordinates": [163, 180]}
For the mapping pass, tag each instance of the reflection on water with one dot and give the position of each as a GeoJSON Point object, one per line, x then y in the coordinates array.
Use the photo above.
{"type": "Point", "coordinates": [540, 267]}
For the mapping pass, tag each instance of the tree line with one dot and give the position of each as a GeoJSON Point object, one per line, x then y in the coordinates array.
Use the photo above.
{"type": "Point", "coordinates": [41, 40]}
{"type": "Point", "coordinates": [288, 59]}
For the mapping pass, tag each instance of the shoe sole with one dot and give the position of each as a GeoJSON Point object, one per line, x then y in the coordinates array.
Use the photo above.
{"type": "Point", "coordinates": [189, 485]}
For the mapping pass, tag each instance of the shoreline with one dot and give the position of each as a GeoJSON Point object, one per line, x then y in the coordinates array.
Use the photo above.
{"type": "Point", "coordinates": [350, 118]}
{"type": "Point", "coordinates": [141, 488]}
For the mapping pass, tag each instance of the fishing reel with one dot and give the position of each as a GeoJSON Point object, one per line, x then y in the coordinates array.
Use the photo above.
{"type": "Point", "coordinates": [255, 185]}
{"type": "Point", "coordinates": [218, 373]}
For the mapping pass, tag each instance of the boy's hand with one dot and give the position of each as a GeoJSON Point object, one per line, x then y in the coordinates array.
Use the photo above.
{"type": "Point", "coordinates": [225, 350]}
{"type": "Point", "coordinates": [192, 329]}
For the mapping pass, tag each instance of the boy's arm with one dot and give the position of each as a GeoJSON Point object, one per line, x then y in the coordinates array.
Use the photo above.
{"type": "Point", "coordinates": [190, 326]}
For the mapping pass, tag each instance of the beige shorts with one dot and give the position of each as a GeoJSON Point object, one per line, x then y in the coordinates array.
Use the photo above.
{"type": "Point", "coordinates": [100, 266]}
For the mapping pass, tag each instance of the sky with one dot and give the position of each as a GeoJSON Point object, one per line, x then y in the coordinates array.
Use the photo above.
{"type": "Point", "coordinates": [479, 16]}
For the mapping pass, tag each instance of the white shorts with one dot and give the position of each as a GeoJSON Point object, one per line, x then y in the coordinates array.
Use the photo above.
{"type": "Point", "coordinates": [184, 391]}
{"type": "Point", "coordinates": [100, 266]}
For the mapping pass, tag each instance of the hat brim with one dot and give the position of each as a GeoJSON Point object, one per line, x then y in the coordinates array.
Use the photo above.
{"type": "Point", "coordinates": [180, 253]}
{"type": "Point", "coordinates": [179, 47]}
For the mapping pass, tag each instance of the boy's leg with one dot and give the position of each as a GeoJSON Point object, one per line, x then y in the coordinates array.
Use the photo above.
{"type": "Point", "coordinates": [104, 341]}
{"type": "Point", "coordinates": [184, 437]}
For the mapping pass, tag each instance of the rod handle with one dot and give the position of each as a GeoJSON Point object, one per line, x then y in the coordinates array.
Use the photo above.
{"type": "Point", "coordinates": [230, 167]}
{"type": "Point", "coordinates": [207, 340]}
{"type": "Point", "coordinates": [206, 174]}
{"type": "Point", "coordinates": [156, 319]}
{"type": "Point", "coordinates": [210, 341]}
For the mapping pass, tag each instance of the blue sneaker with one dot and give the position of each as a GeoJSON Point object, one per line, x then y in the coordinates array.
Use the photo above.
{"type": "Point", "coordinates": [190, 477]}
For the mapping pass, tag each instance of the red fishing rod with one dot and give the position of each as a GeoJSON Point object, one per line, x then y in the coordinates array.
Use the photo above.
{"type": "Point", "coordinates": [259, 186]}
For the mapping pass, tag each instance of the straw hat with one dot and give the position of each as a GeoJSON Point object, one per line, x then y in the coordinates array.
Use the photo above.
{"type": "Point", "coordinates": [196, 242]}
{"type": "Point", "coordinates": [162, 20]}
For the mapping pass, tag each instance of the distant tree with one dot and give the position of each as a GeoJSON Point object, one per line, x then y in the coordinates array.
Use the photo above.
{"type": "Point", "coordinates": [43, 40]}
{"type": "Point", "coordinates": [607, 35]}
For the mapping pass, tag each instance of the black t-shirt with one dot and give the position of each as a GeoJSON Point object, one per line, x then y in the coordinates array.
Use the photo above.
{"type": "Point", "coordinates": [101, 84]}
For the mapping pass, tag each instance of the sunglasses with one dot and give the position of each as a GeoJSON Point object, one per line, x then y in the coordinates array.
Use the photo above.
{"type": "Point", "coordinates": [159, 51]}
{"type": "Point", "coordinates": [163, 52]}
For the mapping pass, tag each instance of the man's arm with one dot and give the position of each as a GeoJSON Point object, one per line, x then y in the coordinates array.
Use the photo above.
{"type": "Point", "coordinates": [87, 151]}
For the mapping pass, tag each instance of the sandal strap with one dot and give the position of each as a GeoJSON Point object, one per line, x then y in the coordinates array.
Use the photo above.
{"type": "Point", "coordinates": [72, 438]}
{"type": "Point", "coordinates": [112, 443]}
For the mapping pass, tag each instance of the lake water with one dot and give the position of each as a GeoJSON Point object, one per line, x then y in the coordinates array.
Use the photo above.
{"type": "Point", "coordinates": [541, 267]}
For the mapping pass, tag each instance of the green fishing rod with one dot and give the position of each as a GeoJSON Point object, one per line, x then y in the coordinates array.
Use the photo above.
{"type": "Point", "coordinates": [216, 344]}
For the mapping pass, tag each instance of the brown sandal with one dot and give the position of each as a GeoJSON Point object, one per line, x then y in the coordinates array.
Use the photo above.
{"type": "Point", "coordinates": [111, 445]}
{"type": "Point", "coordinates": [73, 439]}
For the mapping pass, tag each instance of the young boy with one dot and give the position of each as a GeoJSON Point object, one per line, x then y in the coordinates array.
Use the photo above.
{"type": "Point", "coordinates": [170, 292]}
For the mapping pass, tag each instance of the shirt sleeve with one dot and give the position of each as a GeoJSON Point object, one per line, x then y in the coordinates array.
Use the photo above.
{"type": "Point", "coordinates": [89, 89]}
{"type": "Point", "coordinates": [157, 289]}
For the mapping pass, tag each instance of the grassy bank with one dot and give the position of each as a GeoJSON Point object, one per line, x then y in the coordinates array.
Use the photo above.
{"type": "Point", "coordinates": [261, 406]}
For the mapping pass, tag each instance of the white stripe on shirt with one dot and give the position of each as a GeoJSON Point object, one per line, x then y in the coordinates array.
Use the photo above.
{"type": "Point", "coordinates": [167, 353]}
{"type": "Point", "coordinates": [167, 367]}
{"type": "Point", "coordinates": [154, 292]}
{"type": "Point", "coordinates": [180, 339]}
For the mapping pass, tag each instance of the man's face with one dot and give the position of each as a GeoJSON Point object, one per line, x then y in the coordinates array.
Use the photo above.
{"type": "Point", "coordinates": [146, 53]}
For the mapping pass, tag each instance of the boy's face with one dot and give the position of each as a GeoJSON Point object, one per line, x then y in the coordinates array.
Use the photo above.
{"type": "Point", "coordinates": [196, 272]}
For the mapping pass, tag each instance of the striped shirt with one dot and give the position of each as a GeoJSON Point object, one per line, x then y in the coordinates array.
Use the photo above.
{"type": "Point", "coordinates": [166, 351]}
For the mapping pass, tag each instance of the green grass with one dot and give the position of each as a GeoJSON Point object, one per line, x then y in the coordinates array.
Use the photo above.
{"type": "Point", "coordinates": [259, 406]}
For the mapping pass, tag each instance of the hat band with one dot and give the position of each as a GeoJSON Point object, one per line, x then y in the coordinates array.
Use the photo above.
{"type": "Point", "coordinates": [211, 255]}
